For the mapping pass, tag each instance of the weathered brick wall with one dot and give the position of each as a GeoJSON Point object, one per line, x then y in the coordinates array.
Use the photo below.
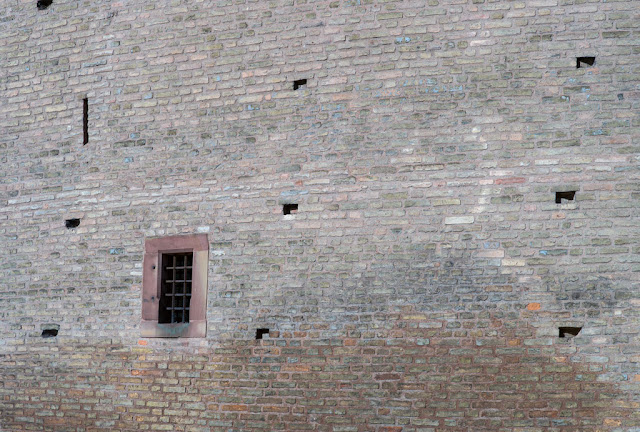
{"type": "Point", "coordinates": [420, 286]}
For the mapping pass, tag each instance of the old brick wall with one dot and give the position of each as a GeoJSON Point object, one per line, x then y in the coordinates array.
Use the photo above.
{"type": "Point", "coordinates": [420, 286]}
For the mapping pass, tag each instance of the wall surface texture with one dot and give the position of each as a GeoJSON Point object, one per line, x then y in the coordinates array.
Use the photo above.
{"type": "Point", "coordinates": [422, 282]}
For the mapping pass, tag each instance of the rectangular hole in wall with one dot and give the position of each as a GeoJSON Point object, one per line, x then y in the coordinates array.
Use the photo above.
{"type": "Point", "coordinates": [568, 332]}
{"type": "Point", "coordinates": [49, 333]}
{"type": "Point", "coordinates": [43, 4]}
{"type": "Point", "coordinates": [583, 62]}
{"type": "Point", "coordinates": [85, 121]}
{"type": "Point", "coordinates": [301, 83]}
{"type": "Point", "coordinates": [72, 223]}
{"type": "Point", "coordinates": [290, 209]}
{"type": "Point", "coordinates": [568, 196]}
{"type": "Point", "coordinates": [261, 332]}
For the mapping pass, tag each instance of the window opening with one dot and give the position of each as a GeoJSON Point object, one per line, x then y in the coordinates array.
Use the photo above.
{"type": "Point", "coordinates": [583, 62]}
{"type": "Point", "coordinates": [261, 332]}
{"type": "Point", "coordinates": [568, 332]}
{"type": "Point", "coordinates": [85, 121]}
{"type": "Point", "coordinates": [175, 288]}
{"type": "Point", "coordinates": [569, 196]}
{"type": "Point", "coordinates": [290, 209]}
{"type": "Point", "coordinates": [43, 4]}
{"type": "Point", "coordinates": [49, 333]}
{"type": "Point", "coordinates": [299, 84]}
{"type": "Point", "coordinates": [72, 223]}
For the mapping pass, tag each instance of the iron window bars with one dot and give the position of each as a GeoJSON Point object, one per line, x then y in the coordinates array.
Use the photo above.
{"type": "Point", "coordinates": [175, 288]}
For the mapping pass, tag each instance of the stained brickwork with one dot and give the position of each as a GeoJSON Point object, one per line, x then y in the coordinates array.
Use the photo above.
{"type": "Point", "coordinates": [422, 281]}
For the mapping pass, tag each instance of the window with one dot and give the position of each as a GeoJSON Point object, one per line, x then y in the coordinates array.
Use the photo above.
{"type": "Point", "coordinates": [569, 332]}
{"type": "Point", "coordinates": [85, 121]}
{"type": "Point", "coordinates": [289, 209]}
{"type": "Point", "coordinates": [298, 84]}
{"type": "Point", "coordinates": [562, 196]}
{"type": "Point", "coordinates": [583, 62]}
{"type": "Point", "coordinates": [72, 223]}
{"type": "Point", "coordinates": [174, 286]}
{"type": "Point", "coordinates": [43, 4]}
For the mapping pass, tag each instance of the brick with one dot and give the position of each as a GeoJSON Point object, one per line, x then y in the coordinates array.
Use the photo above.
{"type": "Point", "coordinates": [455, 220]}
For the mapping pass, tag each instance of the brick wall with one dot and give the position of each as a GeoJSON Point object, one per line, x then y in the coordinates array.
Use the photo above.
{"type": "Point", "coordinates": [421, 284]}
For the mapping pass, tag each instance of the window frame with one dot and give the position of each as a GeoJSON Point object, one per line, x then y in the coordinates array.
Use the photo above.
{"type": "Point", "coordinates": [198, 244]}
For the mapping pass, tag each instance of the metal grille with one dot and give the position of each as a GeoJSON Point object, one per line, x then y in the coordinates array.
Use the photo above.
{"type": "Point", "coordinates": [175, 288]}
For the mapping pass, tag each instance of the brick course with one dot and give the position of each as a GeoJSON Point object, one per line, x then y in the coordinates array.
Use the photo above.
{"type": "Point", "coordinates": [421, 283]}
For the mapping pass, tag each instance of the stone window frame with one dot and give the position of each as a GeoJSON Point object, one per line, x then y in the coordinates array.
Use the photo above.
{"type": "Point", "coordinates": [198, 244]}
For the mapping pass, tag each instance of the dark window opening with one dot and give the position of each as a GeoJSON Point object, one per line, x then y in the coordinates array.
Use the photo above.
{"type": "Point", "coordinates": [72, 223]}
{"type": "Point", "coordinates": [85, 121]}
{"type": "Point", "coordinates": [261, 332]}
{"type": "Point", "coordinates": [568, 332]}
{"type": "Point", "coordinates": [290, 209]}
{"type": "Point", "coordinates": [583, 62]}
{"type": "Point", "coordinates": [299, 83]}
{"type": "Point", "coordinates": [569, 196]}
{"type": "Point", "coordinates": [175, 288]}
{"type": "Point", "coordinates": [43, 4]}
{"type": "Point", "coordinates": [49, 333]}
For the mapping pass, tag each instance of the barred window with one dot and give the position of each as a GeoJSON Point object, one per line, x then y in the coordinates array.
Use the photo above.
{"type": "Point", "coordinates": [174, 286]}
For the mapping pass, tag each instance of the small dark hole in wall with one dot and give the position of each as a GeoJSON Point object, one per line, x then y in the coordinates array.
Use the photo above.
{"type": "Point", "coordinates": [568, 332]}
{"type": "Point", "coordinates": [289, 209]}
{"type": "Point", "coordinates": [261, 332]}
{"type": "Point", "coordinates": [49, 333]}
{"type": "Point", "coordinates": [72, 223]}
{"type": "Point", "coordinates": [583, 62]}
{"type": "Point", "coordinates": [43, 4]}
{"type": "Point", "coordinates": [299, 83]}
{"type": "Point", "coordinates": [569, 196]}
{"type": "Point", "coordinates": [85, 121]}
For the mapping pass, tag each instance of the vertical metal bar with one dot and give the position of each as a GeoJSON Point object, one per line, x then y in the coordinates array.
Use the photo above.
{"type": "Point", "coordinates": [184, 277]}
{"type": "Point", "coordinates": [181, 312]}
{"type": "Point", "coordinates": [162, 312]}
{"type": "Point", "coordinates": [173, 292]}
{"type": "Point", "coordinates": [190, 286]}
